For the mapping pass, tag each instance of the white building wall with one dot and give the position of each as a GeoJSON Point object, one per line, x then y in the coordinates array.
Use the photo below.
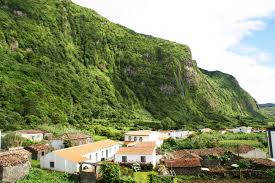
{"type": "Point", "coordinates": [34, 137]}
{"type": "Point", "coordinates": [67, 166]}
{"type": "Point", "coordinates": [136, 158]}
{"type": "Point", "coordinates": [102, 154]}
{"type": "Point", "coordinates": [60, 164]}
{"type": "Point", "coordinates": [57, 144]}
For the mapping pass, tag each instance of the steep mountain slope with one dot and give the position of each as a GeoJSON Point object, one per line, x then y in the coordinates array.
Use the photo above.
{"type": "Point", "coordinates": [61, 63]}
{"type": "Point", "coordinates": [268, 109]}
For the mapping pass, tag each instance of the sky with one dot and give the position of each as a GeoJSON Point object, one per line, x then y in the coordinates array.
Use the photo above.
{"type": "Point", "coordinates": [233, 36]}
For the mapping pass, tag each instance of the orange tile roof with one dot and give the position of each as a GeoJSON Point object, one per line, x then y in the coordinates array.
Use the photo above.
{"type": "Point", "coordinates": [140, 133]}
{"type": "Point", "coordinates": [136, 150]}
{"type": "Point", "coordinates": [142, 144]}
{"type": "Point", "coordinates": [76, 153]}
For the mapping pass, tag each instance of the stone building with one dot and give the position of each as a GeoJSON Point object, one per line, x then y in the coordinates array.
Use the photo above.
{"type": "Point", "coordinates": [38, 150]}
{"type": "Point", "coordinates": [75, 139]}
{"type": "Point", "coordinates": [184, 163]}
{"type": "Point", "coordinates": [14, 165]}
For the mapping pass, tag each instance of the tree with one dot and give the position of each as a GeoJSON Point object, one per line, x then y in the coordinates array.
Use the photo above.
{"type": "Point", "coordinates": [67, 143]}
{"type": "Point", "coordinates": [12, 140]}
{"type": "Point", "coordinates": [110, 173]}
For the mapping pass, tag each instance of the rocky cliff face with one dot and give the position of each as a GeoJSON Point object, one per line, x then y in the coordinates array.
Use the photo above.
{"type": "Point", "coordinates": [61, 63]}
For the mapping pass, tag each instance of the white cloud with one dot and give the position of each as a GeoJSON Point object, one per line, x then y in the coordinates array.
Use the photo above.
{"type": "Point", "coordinates": [211, 28]}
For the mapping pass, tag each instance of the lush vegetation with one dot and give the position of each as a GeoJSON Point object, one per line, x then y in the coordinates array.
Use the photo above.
{"type": "Point", "coordinates": [269, 111]}
{"type": "Point", "coordinates": [112, 173]}
{"type": "Point", "coordinates": [215, 139]}
{"type": "Point", "coordinates": [64, 64]}
{"type": "Point", "coordinates": [38, 175]}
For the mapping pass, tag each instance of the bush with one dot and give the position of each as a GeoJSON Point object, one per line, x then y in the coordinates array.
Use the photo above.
{"type": "Point", "coordinates": [110, 173]}
{"type": "Point", "coordinates": [244, 164]}
{"type": "Point", "coordinates": [156, 179]}
{"type": "Point", "coordinates": [147, 167]}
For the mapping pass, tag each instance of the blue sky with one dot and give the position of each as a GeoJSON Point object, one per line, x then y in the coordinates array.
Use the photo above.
{"type": "Point", "coordinates": [264, 40]}
{"type": "Point", "coordinates": [233, 36]}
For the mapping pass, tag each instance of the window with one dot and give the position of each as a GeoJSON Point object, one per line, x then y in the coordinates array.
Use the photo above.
{"type": "Point", "coordinates": [33, 137]}
{"type": "Point", "coordinates": [142, 159]}
{"type": "Point", "coordinates": [51, 164]}
{"type": "Point", "coordinates": [102, 153]}
{"type": "Point", "coordinates": [140, 139]}
{"type": "Point", "coordinates": [124, 159]}
{"type": "Point", "coordinates": [129, 138]}
{"type": "Point", "coordinates": [106, 153]}
{"type": "Point", "coordinates": [135, 138]}
{"type": "Point", "coordinates": [42, 153]}
{"type": "Point", "coordinates": [90, 157]}
{"type": "Point", "coordinates": [96, 156]}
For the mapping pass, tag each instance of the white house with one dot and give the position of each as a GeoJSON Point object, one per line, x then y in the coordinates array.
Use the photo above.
{"type": "Point", "coordinates": [68, 160]}
{"type": "Point", "coordinates": [271, 141]}
{"type": "Point", "coordinates": [141, 152]}
{"type": "Point", "coordinates": [175, 134]}
{"type": "Point", "coordinates": [246, 151]}
{"type": "Point", "coordinates": [144, 136]}
{"type": "Point", "coordinates": [242, 129]}
{"type": "Point", "coordinates": [33, 135]}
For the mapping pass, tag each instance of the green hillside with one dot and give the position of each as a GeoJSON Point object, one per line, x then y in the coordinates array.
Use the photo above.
{"type": "Point", "coordinates": [64, 64]}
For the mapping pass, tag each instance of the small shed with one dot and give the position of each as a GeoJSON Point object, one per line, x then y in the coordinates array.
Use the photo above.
{"type": "Point", "coordinates": [38, 150]}
{"type": "Point", "coordinates": [14, 165]}
{"type": "Point", "coordinates": [75, 139]}
{"type": "Point", "coordinates": [247, 151]}
{"type": "Point", "coordinates": [184, 163]}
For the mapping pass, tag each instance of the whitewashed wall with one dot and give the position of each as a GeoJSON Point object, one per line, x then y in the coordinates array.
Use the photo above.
{"type": "Point", "coordinates": [34, 137]}
{"type": "Point", "coordinates": [57, 144]}
{"type": "Point", "coordinates": [136, 158]}
{"type": "Point", "coordinates": [60, 164]}
{"type": "Point", "coordinates": [98, 155]}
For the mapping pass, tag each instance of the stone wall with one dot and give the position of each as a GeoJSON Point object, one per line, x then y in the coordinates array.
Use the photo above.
{"type": "Point", "coordinates": [187, 171]}
{"type": "Point", "coordinates": [14, 173]}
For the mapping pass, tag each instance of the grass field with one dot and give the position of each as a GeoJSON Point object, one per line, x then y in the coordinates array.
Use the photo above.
{"type": "Point", "coordinates": [142, 177]}
{"type": "Point", "coordinates": [233, 143]}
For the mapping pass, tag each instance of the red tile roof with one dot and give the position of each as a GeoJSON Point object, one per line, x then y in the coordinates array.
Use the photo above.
{"type": "Point", "coordinates": [183, 163]}
{"type": "Point", "coordinates": [208, 152]}
{"type": "Point", "coordinates": [242, 149]}
{"type": "Point", "coordinates": [265, 162]}
{"type": "Point", "coordinates": [38, 147]}
{"type": "Point", "coordinates": [184, 154]}
{"type": "Point", "coordinates": [15, 157]}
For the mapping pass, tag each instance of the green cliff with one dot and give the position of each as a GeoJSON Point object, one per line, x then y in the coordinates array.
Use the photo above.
{"type": "Point", "coordinates": [61, 63]}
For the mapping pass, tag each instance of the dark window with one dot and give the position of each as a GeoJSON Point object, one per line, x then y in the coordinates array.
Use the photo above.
{"type": "Point", "coordinates": [43, 153]}
{"type": "Point", "coordinates": [129, 138]}
{"type": "Point", "coordinates": [143, 159]}
{"type": "Point", "coordinates": [135, 138]}
{"type": "Point", "coordinates": [124, 159]}
{"type": "Point", "coordinates": [106, 153]}
{"type": "Point", "coordinates": [52, 164]}
{"type": "Point", "coordinates": [140, 139]}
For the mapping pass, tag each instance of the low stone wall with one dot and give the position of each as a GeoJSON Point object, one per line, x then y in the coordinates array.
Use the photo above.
{"type": "Point", "coordinates": [187, 171]}
{"type": "Point", "coordinates": [14, 173]}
